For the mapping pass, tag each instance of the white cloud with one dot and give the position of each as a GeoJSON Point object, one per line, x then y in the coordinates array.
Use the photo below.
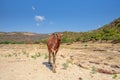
{"type": "Point", "coordinates": [33, 8]}
{"type": "Point", "coordinates": [39, 18]}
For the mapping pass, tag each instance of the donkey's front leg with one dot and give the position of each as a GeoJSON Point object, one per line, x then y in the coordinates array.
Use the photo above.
{"type": "Point", "coordinates": [54, 66]}
{"type": "Point", "coordinates": [49, 60]}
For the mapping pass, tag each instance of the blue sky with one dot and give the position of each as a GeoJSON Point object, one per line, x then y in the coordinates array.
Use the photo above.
{"type": "Point", "coordinates": [47, 16]}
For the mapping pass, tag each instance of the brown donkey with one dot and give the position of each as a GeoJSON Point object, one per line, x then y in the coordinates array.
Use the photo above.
{"type": "Point", "coordinates": [53, 44]}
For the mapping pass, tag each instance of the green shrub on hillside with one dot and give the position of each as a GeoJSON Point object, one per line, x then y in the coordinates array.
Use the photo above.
{"type": "Point", "coordinates": [36, 42]}
{"type": "Point", "coordinates": [8, 42]}
{"type": "Point", "coordinates": [67, 40]}
{"type": "Point", "coordinates": [44, 41]}
{"type": "Point", "coordinates": [5, 42]}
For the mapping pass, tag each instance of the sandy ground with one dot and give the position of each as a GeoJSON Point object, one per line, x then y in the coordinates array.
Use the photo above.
{"type": "Point", "coordinates": [79, 61]}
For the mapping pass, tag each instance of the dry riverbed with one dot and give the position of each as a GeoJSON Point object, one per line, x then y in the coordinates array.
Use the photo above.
{"type": "Point", "coordinates": [78, 61]}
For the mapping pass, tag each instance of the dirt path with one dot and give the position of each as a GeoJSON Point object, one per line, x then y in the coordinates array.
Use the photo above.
{"type": "Point", "coordinates": [29, 62]}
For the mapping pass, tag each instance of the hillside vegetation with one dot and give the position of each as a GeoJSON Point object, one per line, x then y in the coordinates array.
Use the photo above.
{"type": "Point", "coordinates": [108, 33]}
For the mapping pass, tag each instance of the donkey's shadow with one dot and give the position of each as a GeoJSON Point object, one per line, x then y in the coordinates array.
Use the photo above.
{"type": "Point", "coordinates": [49, 66]}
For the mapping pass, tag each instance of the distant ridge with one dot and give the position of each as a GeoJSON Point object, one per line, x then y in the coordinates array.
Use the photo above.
{"type": "Point", "coordinates": [23, 37]}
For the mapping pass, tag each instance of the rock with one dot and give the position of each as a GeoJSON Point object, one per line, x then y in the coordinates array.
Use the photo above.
{"type": "Point", "coordinates": [80, 65]}
{"type": "Point", "coordinates": [62, 56]}
{"type": "Point", "coordinates": [80, 78]}
{"type": "Point", "coordinates": [109, 58]}
{"type": "Point", "coordinates": [94, 62]}
{"type": "Point", "coordinates": [71, 57]}
{"type": "Point", "coordinates": [115, 66]}
{"type": "Point", "coordinates": [99, 50]}
{"type": "Point", "coordinates": [105, 63]}
{"type": "Point", "coordinates": [107, 71]}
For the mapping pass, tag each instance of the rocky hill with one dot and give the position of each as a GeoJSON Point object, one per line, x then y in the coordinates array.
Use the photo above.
{"type": "Point", "coordinates": [114, 25]}
{"type": "Point", "coordinates": [108, 33]}
{"type": "Point", "coordinates": [21, 37]}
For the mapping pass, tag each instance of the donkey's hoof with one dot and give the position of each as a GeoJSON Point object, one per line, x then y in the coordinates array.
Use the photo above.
{"type": "Point", "coordinates": [50, 65]}
{"type": "Point", "coordinates": [49, 62]}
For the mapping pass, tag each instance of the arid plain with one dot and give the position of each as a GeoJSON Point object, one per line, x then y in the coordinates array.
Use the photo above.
{"type": "Point", "coordinates": [77, 61]}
